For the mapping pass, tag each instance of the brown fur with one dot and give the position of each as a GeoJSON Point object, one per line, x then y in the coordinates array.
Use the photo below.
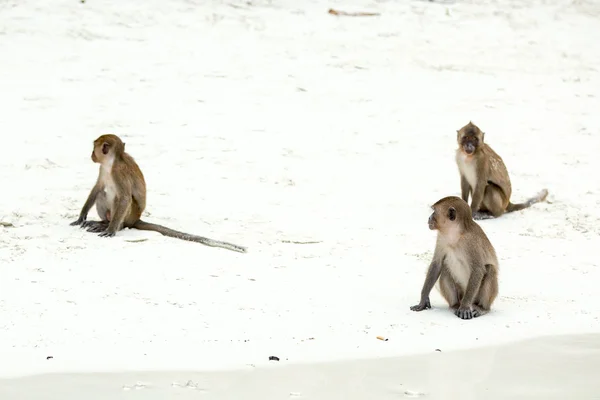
{"type": "Point", "coordinates": [464, 261]}
{"type": "Point", "coordinates": [120, 196]}
{"type": "Point", "coordinates": [484, 176]}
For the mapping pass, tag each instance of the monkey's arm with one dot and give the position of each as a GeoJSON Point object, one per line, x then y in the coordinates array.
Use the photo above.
{"type": "Point", "coordinates": [465, 310]}
{"type": "Point", "coordinates": [465, 188]}
{"type": "Point", "coordinates": [433, 273]}
{"type": "Point", "coordinates": [91, 200]}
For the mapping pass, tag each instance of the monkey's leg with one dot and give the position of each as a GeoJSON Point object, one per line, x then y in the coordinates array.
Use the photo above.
{"type": "Point", "coordinates": [122, 207]}
{"type": "Point", "coordinates": [133, 216]}
{"type": "Point", "coordinates": [448, 289]}
{"type": "Point", "coordinates": [477, 195]}
{"type": "Point", "coordinates": [491, 206]}
{"type": "Point", "coordinates": [465, 310]}
{"type": "Point", "coordinates": [487, 292]}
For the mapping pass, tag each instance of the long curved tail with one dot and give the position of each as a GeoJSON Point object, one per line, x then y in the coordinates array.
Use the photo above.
{"type": "Point", "coordinates": [163, 230]}
{"type": "Point", "coordinates": [538, 198]}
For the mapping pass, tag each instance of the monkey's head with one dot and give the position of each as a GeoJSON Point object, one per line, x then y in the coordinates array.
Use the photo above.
{"type": "Point", "coordinates": [449, 215]}
{"type": "Point", "coordinates": [105, 146]}
{"type": "Point", "coordinates": [469, 138]}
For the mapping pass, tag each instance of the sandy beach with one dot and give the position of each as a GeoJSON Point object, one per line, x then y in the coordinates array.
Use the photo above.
{"type": "Point", "coordinates": [318, 141]}
{"type": "Point", "coordinates": [547, 368]}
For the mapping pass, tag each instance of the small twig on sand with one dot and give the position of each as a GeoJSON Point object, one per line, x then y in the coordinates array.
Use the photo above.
{"type": "Point", "coordinates": [136, 240]}
{"type": "Point", "coordinates": [6, 224]}
{"type": "Point", "coordinates": [295, 242]}
{"type": "Point", "coordinates": [352, 14]}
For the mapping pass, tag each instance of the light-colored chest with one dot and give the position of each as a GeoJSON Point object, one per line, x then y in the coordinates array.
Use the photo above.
{"type": "Point", "coordinates": [110, 189]}
{"type": "Point", "coordinates": [459, 267]}
{"type": "Point", "coordinates": [468, 168]}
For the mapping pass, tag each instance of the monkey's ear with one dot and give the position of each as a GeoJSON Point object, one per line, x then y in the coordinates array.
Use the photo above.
{"type": "Point", "coordinates": [452, 213]}
{"type": "Point", "coordinates": [105, 148]}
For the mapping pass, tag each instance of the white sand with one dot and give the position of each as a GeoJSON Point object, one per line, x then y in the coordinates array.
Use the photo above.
{"type": "Point", "coordinates": [548, 368]}
{"type": "Point", "coordinates": [279, 122]}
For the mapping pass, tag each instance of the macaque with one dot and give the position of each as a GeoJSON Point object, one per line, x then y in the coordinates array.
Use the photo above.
{"type": "Point", "coordinates": [483, 175]}
{"type": "Point", "coordinates": [120, 196]}
{"type": "Point", "coordinates": [464, 261]}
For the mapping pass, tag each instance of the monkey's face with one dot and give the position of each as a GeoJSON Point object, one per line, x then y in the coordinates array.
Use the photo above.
{"type": "Point", "coordinates": [432, 222]}
{"type": "Point", "coordinates": [442, 218]}
{"type": "Point", "coordinates": [469, 138]}
{"type": "Point", "coordinates": [470, 143]}
{"type": "Point", "coordinates": [100, 151]}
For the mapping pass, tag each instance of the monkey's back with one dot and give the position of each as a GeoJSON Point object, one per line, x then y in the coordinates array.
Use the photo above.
{"type": "Point", "coordinates": [497, 172]}
{"type": "Point", "coordinates": [138, 188]}
{"type": "Point", "coordinates": [482, 242]}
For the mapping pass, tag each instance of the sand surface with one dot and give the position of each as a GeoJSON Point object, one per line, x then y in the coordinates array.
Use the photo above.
{"type": "Point", "coordinates": [317, 141]}
{"type": "Point", "coordinates": [558, 367]}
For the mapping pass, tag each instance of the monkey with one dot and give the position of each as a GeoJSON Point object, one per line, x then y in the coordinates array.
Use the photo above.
{"type": "Point", "coordinates": [120, 196]}
{"type": "Point", "coordinates": [484, 176]}
{"type": "Point", "coordinates": [464, 261]}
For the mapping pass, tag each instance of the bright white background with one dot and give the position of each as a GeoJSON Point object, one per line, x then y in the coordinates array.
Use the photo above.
{"type": "Point", "coordinates": [276, 121]}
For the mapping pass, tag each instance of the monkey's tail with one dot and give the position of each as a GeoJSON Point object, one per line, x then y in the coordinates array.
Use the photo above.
{"type": "Point", "coordinates": [147, 226]}
{"type": "Point", "coordinates": [538, 198]}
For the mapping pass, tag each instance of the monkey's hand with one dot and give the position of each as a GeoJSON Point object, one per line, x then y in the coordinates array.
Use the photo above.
{"type": "Point", "coordinates": [463, 312]}
{"type": "Point", "coordinates": [79, 221]}
{"type": "Point", "coordinates": [422, 305]}
{"type": "Point", "coordinates": [107, 233]}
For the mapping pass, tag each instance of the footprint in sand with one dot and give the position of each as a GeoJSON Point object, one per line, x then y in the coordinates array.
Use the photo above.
{"type": "Point", "coordinates": [413, 394]}
{"type": "Point", "coordinates": [188, 385]}
{"type": "Point", "coordinates": [136, 386]}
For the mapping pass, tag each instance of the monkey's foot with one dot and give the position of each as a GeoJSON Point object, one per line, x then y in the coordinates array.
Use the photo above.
{"type": "Point", "coordinates": [78, 222]}
{"type": "Point", "coordinates": [479, 215]}
{"type": "Point", "coordinates": [465, 313]}
{"type": "Point", "coordinates": [478, 311]}
{"type": "Point", "coordinates": [107, 234]}
{"type": "Point", "coordinates": [95, 226]}
{"type": "Point", "coordinates": [421, 306]}
{"type": "Point", "coordinates": [85, 224]}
